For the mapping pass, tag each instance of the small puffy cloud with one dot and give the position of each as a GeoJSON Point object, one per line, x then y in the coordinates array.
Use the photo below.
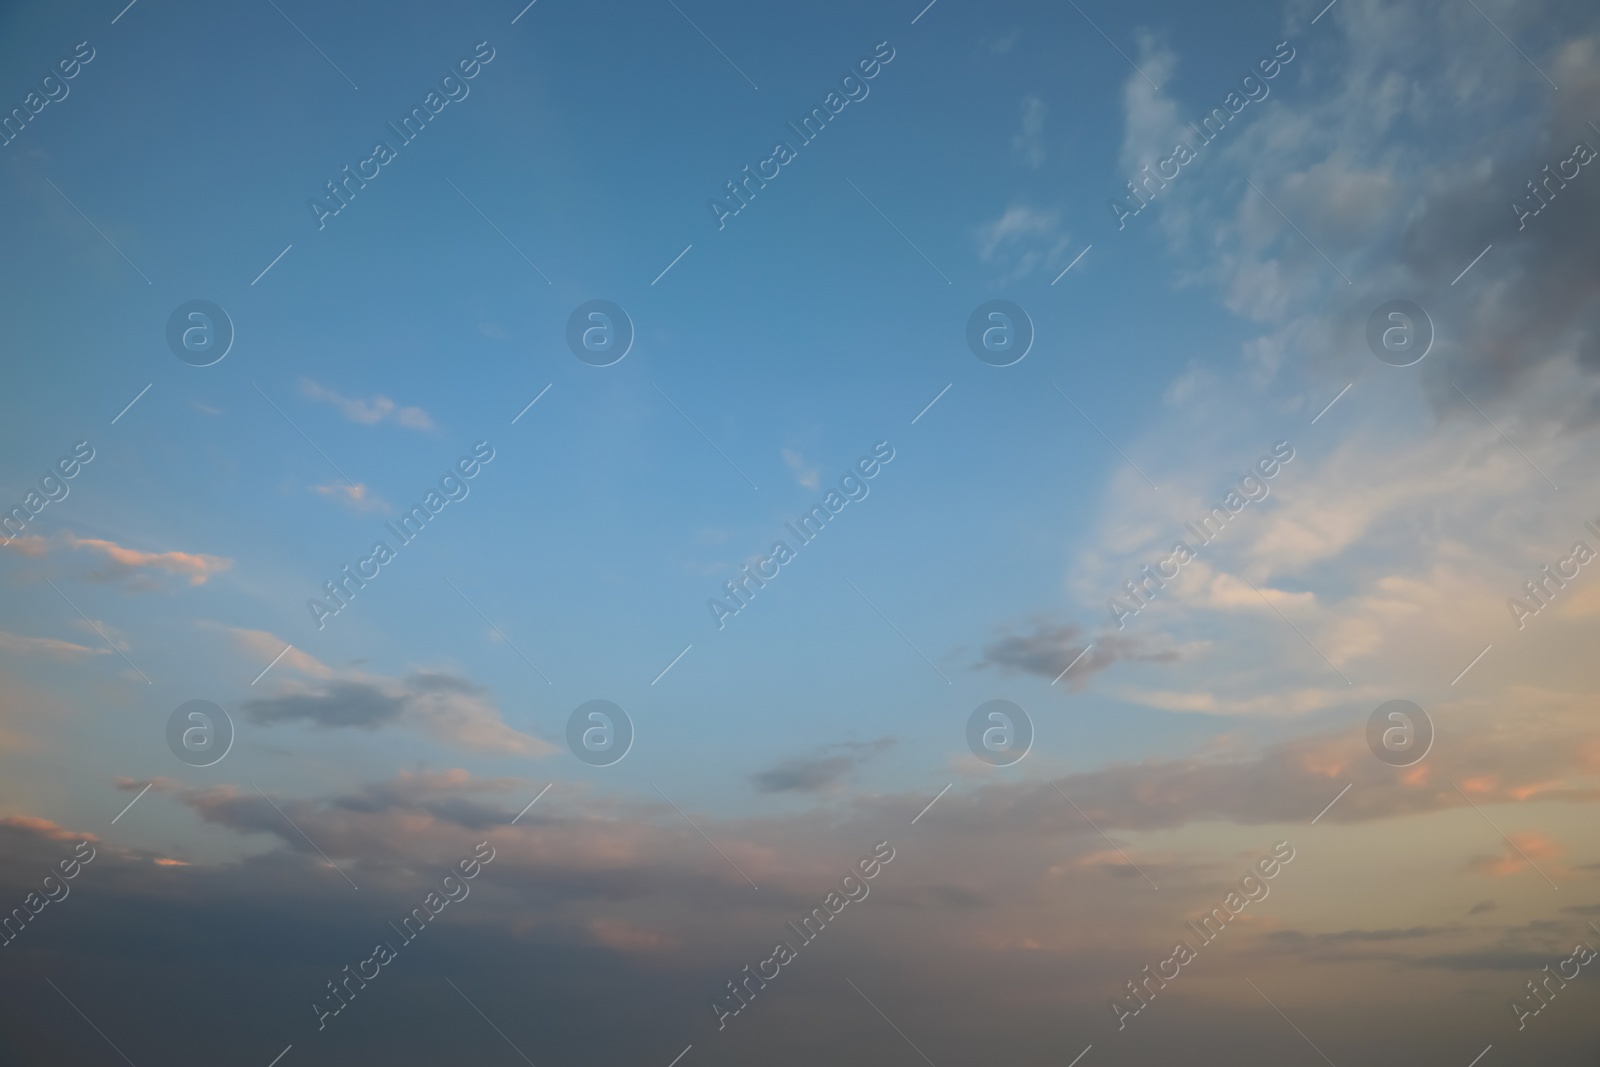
{"type": "Point", "coordinates": [804, 473]}
{"type": "Point", "coordinates": [367, 412]}
{"type": "Point", "coordinates": [197, 567]}
{"type": "Point", "coordinates": [1481, 907]}
{"type": "Point", "coordinates": [356, 497]}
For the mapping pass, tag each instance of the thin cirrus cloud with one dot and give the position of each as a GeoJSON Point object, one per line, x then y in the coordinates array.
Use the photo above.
{"type": "Point", "coordinates": [49, 647]}
{"type": "Point", "coordinates": [123, 562]}
{"type": "Point", "coordinates": [1024, 240]}
{"type": "Point", "coordinates": [368, 412]}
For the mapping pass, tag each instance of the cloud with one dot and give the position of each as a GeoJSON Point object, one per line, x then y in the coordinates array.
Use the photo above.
{"type": "Point", "coordinates": [1023, 241]}
{"type": "Point", "coordinates": [104, 631]}
{"type": "Point", "coordinates": [823, 772]}
{"type": "Point", "coordinates": [357, 497]}
{"type": "Point", "coordinates": [1051, 648]}
{"type": "Point", "coordinates": [589, 888]}
{"type": "Point", "coordinates": [339, 705]}
{"type": "Point", "coordinates": [367, 412]}
{"type": "Point", "coordinates": [1300, 701]}
{"type": "Point", "coordinates": [1397, 212]}
{"type": "Point", "coordinates": [197, 567]}
{"type": "Point", "coordinates": [1521, 851]}
{"type": "Point", "coordinates": [626, 937]}
{"type": "Point", "coordinates": [1482, 907]}
{"type": "Point", "coordinates": [444, 705]}
{"type": "Point", "coordinates": [1228, 593]}
{"type": "Point", "coordinates": [1029, 142]}
{"type": "Point", "coordinates": [1001, 45]}
{"type": "Point", "coordinates": [31, 825]}
{"type": "Point", "coordinates": [264, 647]}
{"type": "Point", "coordinates": [804, 473]}
{"type": "Point", "coordinates": [18, 645]}
{"type": "Point", "coordinates": [31, 545]}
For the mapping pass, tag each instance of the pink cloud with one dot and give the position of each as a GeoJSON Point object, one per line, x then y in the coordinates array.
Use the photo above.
{"type": "Point", "coordinates": [198, 567]}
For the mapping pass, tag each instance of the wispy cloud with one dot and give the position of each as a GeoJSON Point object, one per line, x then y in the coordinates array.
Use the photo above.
{"type": "Point", "coordinates": [368, 412]}
{"type": "Point", "coordinates": [263, 646]}
{"type": "Point", "coordinates": [197, 567]}
{"type": "Point", "coordinates": [356, 497]}
{"type": "Point", "coordinates": [50, 647]}
{"type": "Point", "coordinates": [820, 772]}
{"type": "Point", "coordinates": [804, 473]}
{"type": "Point", "coordinates": [1025, 240]}
{"type": "Point", "coordinates": [1028, 142]}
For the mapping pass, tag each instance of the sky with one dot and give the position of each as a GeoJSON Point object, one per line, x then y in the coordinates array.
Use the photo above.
{"type": "Point", "coordinates": [1210, 338]}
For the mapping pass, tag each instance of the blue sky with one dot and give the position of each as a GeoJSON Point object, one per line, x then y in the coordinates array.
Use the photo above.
{"type": "Point", "coordinates": [819, 321]}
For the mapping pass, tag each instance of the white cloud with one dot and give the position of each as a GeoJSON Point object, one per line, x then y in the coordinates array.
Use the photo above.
{"type": "Point", "coordinates": [357, 497]}
{"type": "Point", "coordinates": [804, 473]}
{"type": "Point", "coordinates": [367, 412]}
{"type": "Point", "coordinates": [1023, 241]}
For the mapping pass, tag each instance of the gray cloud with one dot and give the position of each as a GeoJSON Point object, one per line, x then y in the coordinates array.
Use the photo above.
{"type": "Point", "coordinates": [1409, 933]}
{"type": "Point", "coordinates": [820, 772]}
{"type": "Point", "coordinates": [448, 706]}
{"type": "Point", "coordinates": [340, 704]}
{"type": "Point", "coordinates": [1482, 906]}
{"type": "Point", "coordinates": [1050, 648]}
